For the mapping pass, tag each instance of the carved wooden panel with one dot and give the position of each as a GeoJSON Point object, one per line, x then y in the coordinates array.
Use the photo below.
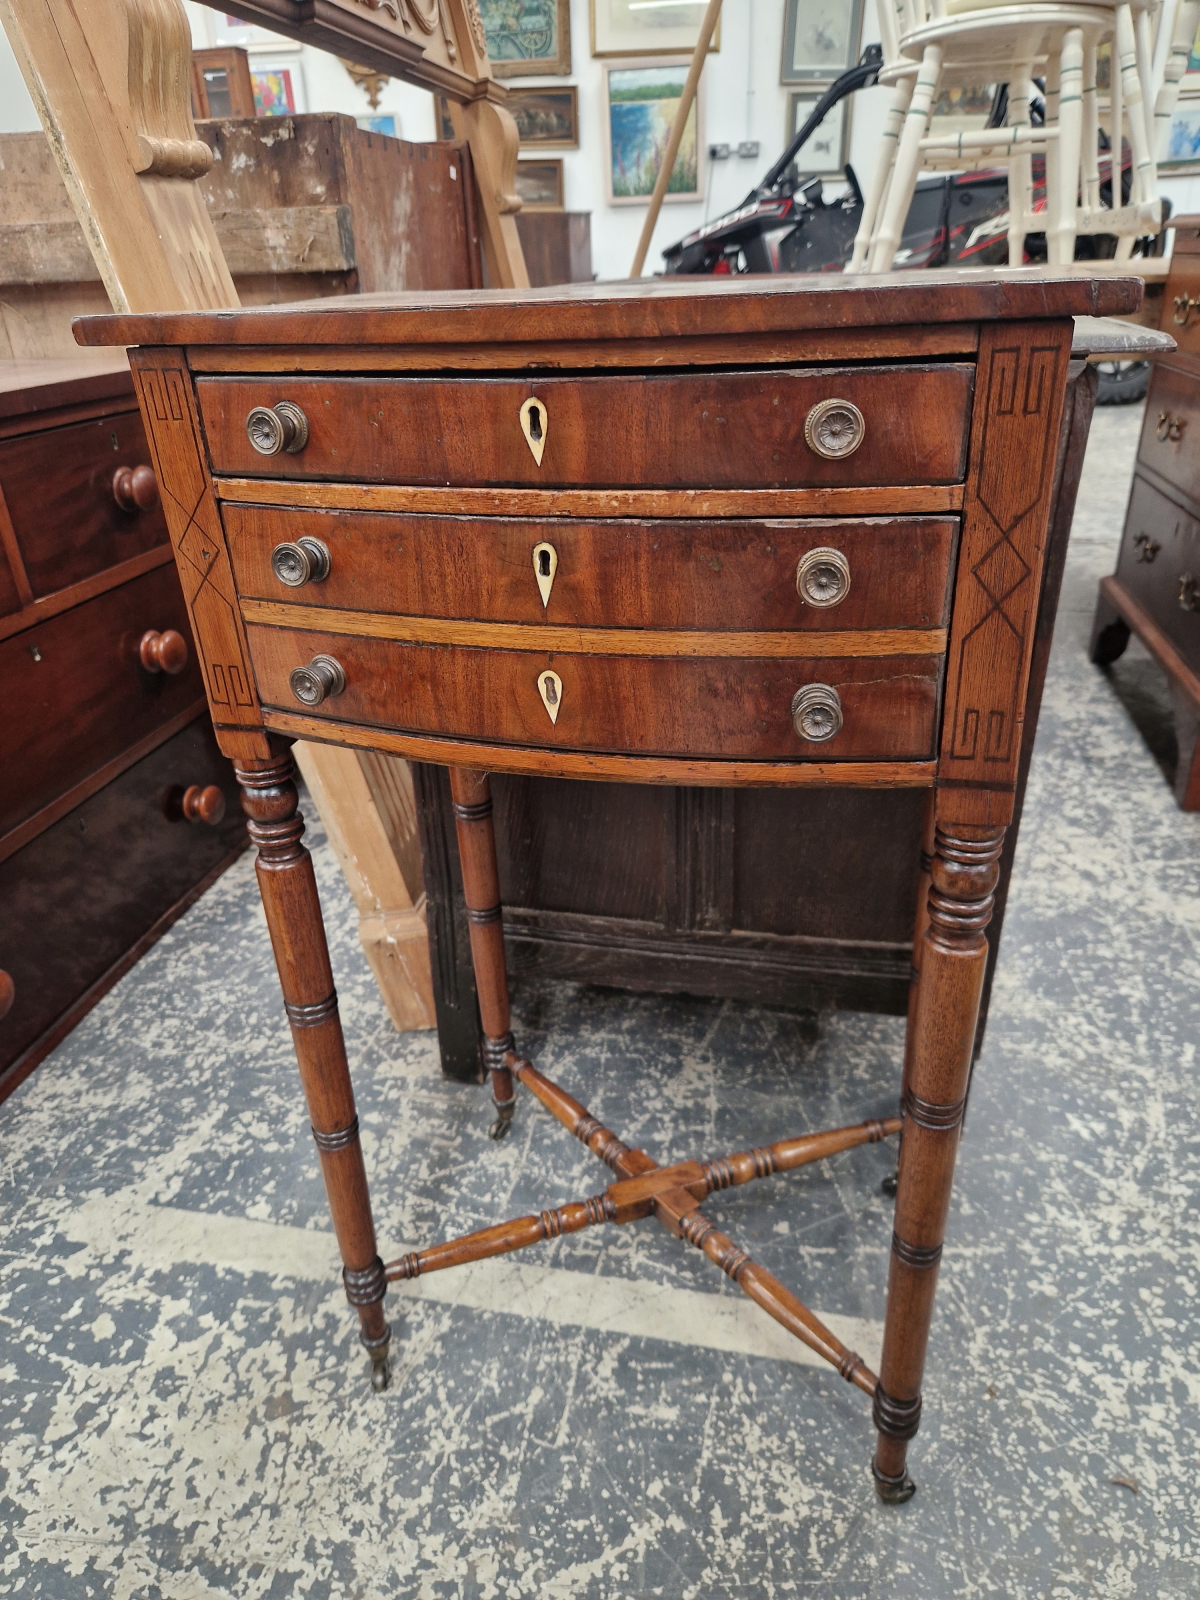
{"type": "Point", "coordinates": [1010, 481]}
{"type": "Point", "coordinates": [168, 408]}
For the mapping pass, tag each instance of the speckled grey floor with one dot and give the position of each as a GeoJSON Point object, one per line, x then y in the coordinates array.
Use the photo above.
{"type": "Point", "coordinates": [184, 1412]}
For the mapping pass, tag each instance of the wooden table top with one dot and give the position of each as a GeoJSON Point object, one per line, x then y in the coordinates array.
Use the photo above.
{"type": "Point", "coordinates": [676, 307]}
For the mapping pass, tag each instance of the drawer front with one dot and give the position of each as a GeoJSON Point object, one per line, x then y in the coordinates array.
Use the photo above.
{"type": "Point", "coordinates": [1181, 311]}
{"type": "Point", "coordinates": [1170, 442]}
{"type": "Point", "coordinates": [1160, 552]}
{"type": "Point", "coordinates": [726, 430]}
{"type": "Point", "coordinates": [685, 707]}
{"type": "Point", "coordinates": [76, 694]}
{"type": "Point", "coordinates": [83, 892]}
{"type": "Point", "coordinates": [58, 486]}
{"type": "Point", "coordinates": [891, 572]}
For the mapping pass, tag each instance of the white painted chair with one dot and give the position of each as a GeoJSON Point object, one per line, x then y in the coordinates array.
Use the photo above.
{"type": "Point", "coordinates": [932, 44]}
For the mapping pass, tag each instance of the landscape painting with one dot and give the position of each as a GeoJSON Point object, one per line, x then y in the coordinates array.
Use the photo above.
{"type": "Point", "coordinates": [641, 108]}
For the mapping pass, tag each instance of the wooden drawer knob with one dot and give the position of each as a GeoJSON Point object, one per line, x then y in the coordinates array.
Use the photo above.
{"type": "Point", "coordinates": [320, 679]}
{"type": "Point", "coordinates": [8, 993]}
{"type": "Point", "coordinates": [271, 429]}
{"type": "Point", "coordinates": [834, 429]}
{"type": "Point", "coordinates": [163, 652]}
{"type": "Point", "coordinates": [817, 712]}
{"type": "Point", "coordinates": [823, 577]}
{"type": "Point", "coordinates": [135, 488]}
{"type": "Point", "coordinates": [195, 804]}
{"type": "Point", "coordinates": [305, 561]}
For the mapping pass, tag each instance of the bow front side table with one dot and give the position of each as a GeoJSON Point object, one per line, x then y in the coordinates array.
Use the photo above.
{"type": "Point", "coordinates": [732, 532]}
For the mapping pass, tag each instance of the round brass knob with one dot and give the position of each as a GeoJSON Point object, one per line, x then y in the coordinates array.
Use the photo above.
{"type": "Point", "coordinates": [834, 429]}
{"type": "Point", "coordinates": [823, 577]}
{"type": "Point", "coordinates": [817, 712]}
{"type": "Point", "coordinates": [8, 993]}
{"type": "Point", "coordinates": [305, 561]}
{"type": "Point", "coordinates": [163, 652]}
{"type": "Point", "coordinates": [135, 488]}
{"type": "Point", "coordinates": [321, 678]}
{"type": "Point", "coordinates": [282, 426]}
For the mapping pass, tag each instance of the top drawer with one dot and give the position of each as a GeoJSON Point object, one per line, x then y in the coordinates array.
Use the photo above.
{"type": "Point", "coordinates": [897, 425]}
{"type": "Point", "coordinates": [1181, 312]}
{"type": "Point", "coordinates": [58, 485]}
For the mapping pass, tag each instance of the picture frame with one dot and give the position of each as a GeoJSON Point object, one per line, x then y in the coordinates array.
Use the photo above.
{"type": "Point", "coordinates": [637, 120]}
{"type": "Point", "coordinates": [821, 38]}
{"type": "Point", "coordinates": [547, 119]}
{"type": "Point", "coordinates": [528, 38]}
{"type": "Point", "coordinates": [648, 27]}
{"type": "Point", "coordinates": [827, 150]}
{"type": "Point", "coordinates": [540, 184]}
{"type": "Point", "coordinates": [278, 88]}
{"type": "Point", "coordinates": [1183, 140]}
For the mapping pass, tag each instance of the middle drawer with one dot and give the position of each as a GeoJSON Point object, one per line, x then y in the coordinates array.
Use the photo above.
{"type": "Point", "coordinates": [883, 572]}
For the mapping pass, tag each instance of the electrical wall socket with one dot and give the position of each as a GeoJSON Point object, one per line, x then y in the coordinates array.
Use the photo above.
{"type": "Point", "coordinates": [719, 152]}
{"type": "Point", "coordinates": [748, 150]}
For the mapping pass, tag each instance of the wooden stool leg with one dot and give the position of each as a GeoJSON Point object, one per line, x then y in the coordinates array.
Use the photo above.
{"type": "Point", "coordinates": [889, 1184]}
{"type": "Point", "coordinates": [481, 889]}
{"type": "Point", "coordinates": [289, 895]}
{"type": "Point", "coordinates": [964, 873]}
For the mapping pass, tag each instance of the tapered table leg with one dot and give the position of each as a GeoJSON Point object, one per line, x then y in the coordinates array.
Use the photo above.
{"type": "Point", "coordinates": [963, 873]}
{"type": "Point", "coordinates": [289, 895]}
{"type": "Point", "coordinates": [472, 795]}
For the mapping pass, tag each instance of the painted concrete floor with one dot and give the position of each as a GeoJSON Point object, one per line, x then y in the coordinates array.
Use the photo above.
{"type": "Point", "coordinates": [185, 1413]}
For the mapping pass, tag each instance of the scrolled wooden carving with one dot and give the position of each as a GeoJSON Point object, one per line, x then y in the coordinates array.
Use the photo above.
{"type": "Point", "coordinates": [159, 67]}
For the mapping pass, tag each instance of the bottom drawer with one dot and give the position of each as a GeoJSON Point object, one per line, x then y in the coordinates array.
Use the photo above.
{"type": "Point", "coordinates": [80, 895]}
{"type": "Point", "coordinates": [652, 705]}
{"type": "Point", "coordinates": [1159, 565]}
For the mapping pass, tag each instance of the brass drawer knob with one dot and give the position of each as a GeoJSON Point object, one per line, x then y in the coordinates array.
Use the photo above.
{"type": "Point", "coordinates": [834, 429]}
{"type": "Point", "coordinates": [305, 561]}
{"type": "Point", "coordinates": [321, 678]}
{"type": "Point", "coordinates": [1170, 429]}
{"type": "Point", "coordinates": [1184, 306]}
{"type": "Point", "coordinates": [817, 712]}
{"type": "Point", "coordinates": [271, 429]}
{"type": "Point", "coordinates": [823, 577]}
{"type": "Point", "coordinates": [135, 488]}
{"type": "Point", "coordinates": [163, 652]}
{"type": "Point", "coordinates": [195, 804]}
{"type": "Point", "coordinates": [1189, 592]}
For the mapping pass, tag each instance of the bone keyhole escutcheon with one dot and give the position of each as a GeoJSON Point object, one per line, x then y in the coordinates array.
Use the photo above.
{"type": "Point", "coordinates": [534, 422]}
{"type": "Point", "coordinates": [545, 565]}
{"type": "Point", "coordinates": [550, 689]}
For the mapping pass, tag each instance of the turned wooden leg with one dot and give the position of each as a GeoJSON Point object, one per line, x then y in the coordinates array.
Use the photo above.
{"type": "Point", "coordinates": [289, 895]}
{"type": "Point", "coordinates": [963, 876]}
{"type": "Point", "coordinates": [921, 923]}
{"type": "Point", "coordinates": [481, 889]}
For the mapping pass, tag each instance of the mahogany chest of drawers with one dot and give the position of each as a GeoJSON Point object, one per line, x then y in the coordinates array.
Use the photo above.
{"type": "Point", "coordinates": [801, 535]}
{"type": "Point", "coordinates": [105, 727]}
{"type": "Point", "coordinates": [1155, 591]}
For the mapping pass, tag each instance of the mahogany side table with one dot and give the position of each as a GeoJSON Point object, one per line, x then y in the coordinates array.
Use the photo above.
{"type": "Point", "coordinates": [740, 532]}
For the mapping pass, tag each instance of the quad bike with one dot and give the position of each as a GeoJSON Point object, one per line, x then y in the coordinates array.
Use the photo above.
{"type": "Point", "coordinates": [785, 223]}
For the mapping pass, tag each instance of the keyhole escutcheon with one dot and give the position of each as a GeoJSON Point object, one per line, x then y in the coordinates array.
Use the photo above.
{"type": "Point", "coordinates": [535, 420]}
{"type": "Point", "coordinates": [545, 565]}
{"type": "Point", "coordinates": [550, 688]}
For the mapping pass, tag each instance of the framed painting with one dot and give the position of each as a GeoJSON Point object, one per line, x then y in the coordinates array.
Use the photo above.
{"type": "Point", "coordinates": [1183, 141]}
{"type": "Point", "coordinates": [640, 104]}
{"type": "Point", "coordinates": [824, 152]}
{"type": "Point", "coordinates": [540, 185]}
{"type": "Point", "coordinates": [528, 38]}
{"type": "Point", "coordinates": [278, 90]}
{"type": "Point", "coordinates": [548, 118]}
{"type": "Point", "coordinates": [648, 27]}
{"type": "Point", "coordinates": [821, 38]}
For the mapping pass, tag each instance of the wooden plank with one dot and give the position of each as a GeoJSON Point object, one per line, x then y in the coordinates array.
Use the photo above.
{"type": "Point", "coordinates": [889, 500]}
{"type": "Point", "coordinates": [598, 641]}
{"type": "Point", "coordinates": [610, 768]}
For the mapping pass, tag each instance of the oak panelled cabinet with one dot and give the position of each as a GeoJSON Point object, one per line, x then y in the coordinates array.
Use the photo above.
{"type": "Point", "coordinates": [759, 533]}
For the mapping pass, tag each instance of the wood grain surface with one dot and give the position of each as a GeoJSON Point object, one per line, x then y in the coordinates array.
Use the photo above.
{"type": "Point", "coordinates": [615, 573]}
{"type": "Point", "coordinates": [695, 430]}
